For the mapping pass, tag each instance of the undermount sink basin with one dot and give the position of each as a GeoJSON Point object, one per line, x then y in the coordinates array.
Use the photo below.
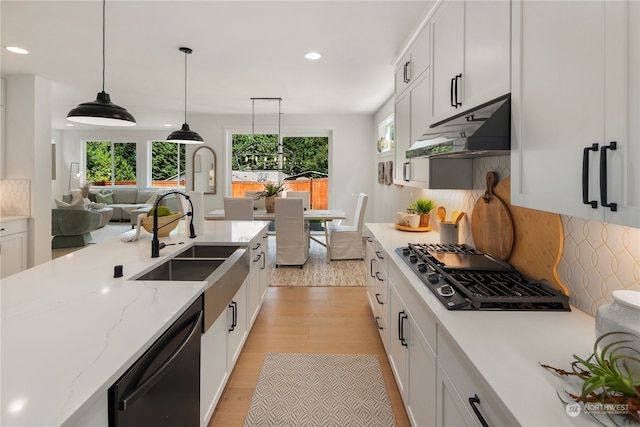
{"type": "Point", "coordinates": [183, 269]}
{"type": "Point", "coordinates": [208, 251]}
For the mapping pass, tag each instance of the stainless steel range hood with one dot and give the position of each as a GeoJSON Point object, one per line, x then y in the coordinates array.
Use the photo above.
{"type": "Point", "coordinates": [481, 131]}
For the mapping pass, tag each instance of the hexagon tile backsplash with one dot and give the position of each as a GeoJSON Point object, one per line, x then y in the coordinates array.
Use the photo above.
{"type": "Point", "coordinates": [15, 197]}
{"type": "Point", "coordinates": [598, 258]}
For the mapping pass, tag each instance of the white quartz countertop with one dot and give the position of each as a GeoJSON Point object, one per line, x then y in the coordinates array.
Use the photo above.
{"type": "Point", "coordinates": [506, 347]}
{"type": "Point", "coordinates": [70, 329]}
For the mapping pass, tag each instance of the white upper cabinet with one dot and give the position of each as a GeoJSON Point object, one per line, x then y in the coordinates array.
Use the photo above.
{"type": "Point", "coordinates": [575, 117]}
{"type": "Point", "coordinates": [413, 63]}
{"type": "Point", "coordinates": [471, 55]}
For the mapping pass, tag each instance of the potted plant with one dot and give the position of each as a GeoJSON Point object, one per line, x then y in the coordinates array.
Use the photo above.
{"type": "Point", "coordinates": [269, 193]}
{"type": "Point", "coordinates": [423, 208]}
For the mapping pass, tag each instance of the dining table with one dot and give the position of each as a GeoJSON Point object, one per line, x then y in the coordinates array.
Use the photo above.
{"type": "Point", "coordinates": [324, 215]}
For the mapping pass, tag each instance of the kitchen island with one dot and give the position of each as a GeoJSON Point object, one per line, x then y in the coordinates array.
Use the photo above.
{"type": "Point", "coordinates": [70, 328]}
{"type": "Point", "coordinates": [493, 356]}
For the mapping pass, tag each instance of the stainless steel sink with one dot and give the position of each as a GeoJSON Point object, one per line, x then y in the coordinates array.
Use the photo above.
{"type": "Point", "coordinates": [183, 269]}
{"type": "Point", "coordinates": [208, 251]}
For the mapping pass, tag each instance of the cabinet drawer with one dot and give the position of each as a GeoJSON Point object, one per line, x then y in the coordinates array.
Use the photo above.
{"type": "Point", "coordinates": [12, 227]}
{"type": "Point", "coordinates": [469, 384]}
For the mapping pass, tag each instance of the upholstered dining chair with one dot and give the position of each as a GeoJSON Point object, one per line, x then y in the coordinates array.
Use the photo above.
{"type": "Point", "coordinates": [345, 241]}
{"type": "Point", "coordinates": [304, 195]}
{"type": "Point", "coordinates": [238, 208]}
{"type": "Point", "coordinates": [292, 233]}
{"type": "Point", "coordinates": [258, 203]}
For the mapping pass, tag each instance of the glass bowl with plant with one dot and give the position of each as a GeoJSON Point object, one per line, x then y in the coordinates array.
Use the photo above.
{"type": "Point", "coordinates": [423, 208]}
{"type": "Point", "coordinates": [610, 385]}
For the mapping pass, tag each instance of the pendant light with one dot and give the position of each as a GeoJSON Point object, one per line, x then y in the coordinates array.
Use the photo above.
{"type": "Point", "coordinates": [185, 135]}
{"type": "Point", "coordinates": [102, 111]}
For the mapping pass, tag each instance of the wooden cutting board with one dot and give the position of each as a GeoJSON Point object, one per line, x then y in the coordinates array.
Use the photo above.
{"type": "Point", "coordinates": [538, 240]}
{"type": "Point", "coordinates": [491, 224]}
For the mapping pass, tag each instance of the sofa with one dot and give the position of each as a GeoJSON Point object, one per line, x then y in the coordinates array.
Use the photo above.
{"type": "Point", "coordinates": [124, 200]}
{"type": "Point", "coordinates": [72, 227]}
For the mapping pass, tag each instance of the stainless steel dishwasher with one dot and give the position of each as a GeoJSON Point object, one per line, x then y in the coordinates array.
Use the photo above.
{"type": "Point", "coordinates": [162, 388]}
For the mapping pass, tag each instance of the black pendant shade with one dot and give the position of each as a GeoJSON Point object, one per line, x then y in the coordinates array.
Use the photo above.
{"type": "Point", "coordinates": [101, 112]}
{"type": "Point", "coordinates": [185, 136]}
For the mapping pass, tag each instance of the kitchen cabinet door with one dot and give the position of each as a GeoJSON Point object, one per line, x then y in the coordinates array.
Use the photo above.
{"type": "Point", "coordinates": [13, 247]}
{"type": "Point", "coordinates": [414, 62]}
{"type": "Point", "coordinates": [412, 120]}
{"type": "Point", "coordinates": [398, 351]}
{"type": "Point", "coordinates": [265, 266]}
{"type": "Point", "coordinates": [213, 367]}
{"type": "Point", "coordinates": [471, 55]}
{"type": "Point", "coordinates": [422, 375]}
{"type": "Point", "coordinates": [371, 276]}
{"type": "Point", "coordinates": [236, 325]}
{"type": "Point", "coordinates": [448, 55]}
{"type": "Point", "coordinates": [254, 292]}
{"type": "Point", "coordinates": [573, 88]}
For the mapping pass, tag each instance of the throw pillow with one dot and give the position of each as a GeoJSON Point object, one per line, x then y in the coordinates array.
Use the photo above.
{"type": "Point", "coordinates": [97, 206]}
{"type": "Point", "coordinates": [77, 203]}
{"type": "Point", "coordinates": [60, 204]}
{"type": "Point", "coordinates": [106, 198]}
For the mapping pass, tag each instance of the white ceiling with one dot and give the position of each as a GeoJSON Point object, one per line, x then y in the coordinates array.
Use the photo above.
{"type": "Point", "coordinates": [241, 49]}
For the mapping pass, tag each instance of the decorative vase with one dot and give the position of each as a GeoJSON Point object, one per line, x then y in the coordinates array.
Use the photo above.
{"type": "Point", "coordinates": [269, 205]}
{"type": "Point", "coordinates": [622, 315]}
{"type": "Point", "coordinates": [424, 220]}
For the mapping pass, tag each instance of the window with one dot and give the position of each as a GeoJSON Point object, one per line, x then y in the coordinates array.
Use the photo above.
{"type": "Point", "coordinates": [302, 164]}
{"type": "Point", "coordinates": [111, 163]}
{"type": "Point", "coordinates": [168, 164]}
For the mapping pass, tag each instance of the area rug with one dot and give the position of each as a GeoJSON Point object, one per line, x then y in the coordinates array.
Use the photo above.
{"type": "Point", "coordinates": [316, 271]}
{"type": "Point", "coordinates": [320, 390]}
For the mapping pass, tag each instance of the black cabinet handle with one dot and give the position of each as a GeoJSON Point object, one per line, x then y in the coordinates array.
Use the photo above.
{"type": "Point", "coordinates": [613, 145]}
{"type": "Point", "coordinates": [257, 258]}
{"type": "Point", "coordinates": [234, 318]}
{"type": "Point", "coordinates": [451, 93]}
{"type": "Point", "coordinates": [407, 64]}
{"type": "Point", "coordinates": [402, 316]}
{"type": "Point", "coordinates": [585, 176]}
{"type": "Point", "coordinates": [473, 401]}
{"type": "Point", "coordinates": [404, 171]}
{"type": "Point", "coordinates": [378, 255]}
{"type": "Point", "coordinates": [378, 276]}
{"type": "Point", "coordinates": [369, 239]}
{"type": "Point", "coordinates": [378, 324]}
{"type": "Point", "coordinates": [263, 256]}
{"type": "Point", "coordinates": [256, 247]}
{"type": "Point", "coordinates": [371, 267]}
{"type": "Point", "coordinates": [378, 299]}
{"type": "Point", "coordinates": [457, 103]}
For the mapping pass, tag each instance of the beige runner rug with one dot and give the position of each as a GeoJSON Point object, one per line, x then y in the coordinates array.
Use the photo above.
{"type": "Point", "coordinates": [316, 271]}
{"type": "Point", "coordinates": [320, 390]}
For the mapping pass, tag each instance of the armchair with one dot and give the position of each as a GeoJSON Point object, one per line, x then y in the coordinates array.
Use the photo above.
{"type": "Point", "coordinates": [72, 227]}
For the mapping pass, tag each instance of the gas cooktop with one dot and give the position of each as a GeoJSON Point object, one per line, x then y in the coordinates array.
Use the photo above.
{"type": "Point", "coordinates": [465, 279]}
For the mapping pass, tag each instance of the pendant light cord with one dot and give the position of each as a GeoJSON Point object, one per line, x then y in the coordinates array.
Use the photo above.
{"type": "Point", "coordinates": [185, 86]}
{"type": "Point", "coordinates": [104, 3]}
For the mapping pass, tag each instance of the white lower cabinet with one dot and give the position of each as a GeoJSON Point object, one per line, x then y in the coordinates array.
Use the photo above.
{"type": "Point", "coordinates": [236, 325]}
{"type": "Point", "coordinates": [259, 274]}
{"type": "Point", "coordinates": [411, 354]}
{"type": "Point", "coordinates": [265, 267]}
{"type": "Point", "coordinates": [213, 367]}
{"type": "Point", "coordinates": [462, 396]}
{"type": "Point", "coordinates": [13, 247]}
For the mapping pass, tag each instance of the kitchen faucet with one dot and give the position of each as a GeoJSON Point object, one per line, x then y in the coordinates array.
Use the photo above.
{"type": "Point", "coordinates": [155, 243]}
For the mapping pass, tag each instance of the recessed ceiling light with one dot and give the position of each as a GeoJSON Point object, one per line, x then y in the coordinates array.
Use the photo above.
{"type": "Point", "coordinates": [16, 49]}
{"type": "Point", "coordinates": [313, 56]}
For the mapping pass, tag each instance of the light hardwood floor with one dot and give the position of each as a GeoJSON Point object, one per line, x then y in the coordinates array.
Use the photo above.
{"type": "Point", "coordinates": [332, 320]}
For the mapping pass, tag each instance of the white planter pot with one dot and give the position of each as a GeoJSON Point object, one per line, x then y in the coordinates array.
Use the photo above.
{"type": "Point", "coordinates": [622, 315]}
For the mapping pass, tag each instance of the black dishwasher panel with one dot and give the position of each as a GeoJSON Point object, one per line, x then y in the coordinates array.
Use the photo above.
{"type": "Point", "coordinates": [162, 388]}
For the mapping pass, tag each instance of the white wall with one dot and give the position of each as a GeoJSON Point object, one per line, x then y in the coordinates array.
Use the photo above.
{"type": "Point", "coordinates": [28, 154]}
{"type": "Point", "coordinates": [352, 143]}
